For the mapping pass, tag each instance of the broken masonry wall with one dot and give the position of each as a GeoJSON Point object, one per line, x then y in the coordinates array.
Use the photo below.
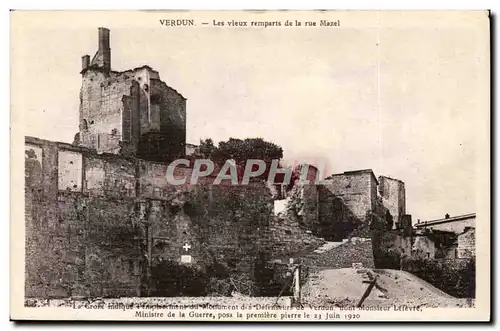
{"type": "Point", "coordinates": [467, 244]}
{"type": "Point", "coordinates": [168, 110]}
{"type": "Point", "coordinates": [172, 111]}
{"type": "Point", "coordinates": [220, 224]}
{"type": "Point", "coordinates": [103, 253]}
{"type": "Point", "coordinates": [235, 224]}
{"type": "Point", "coordinates": [290, 233]}
{"type": "Point", "coordinates": [309, 194]}
{"type": "Point", "coordinates": [393, 194]}
{"type": "Point", "coordinates": [390, 246]}
{"type": "Point", "coordinates": [358, 191]}
{"type": "Point", "coordinates": [132, 112]}
{"type": "Point", "coordinates": [109, 176]}
{"type": "Point", "coordinates": [78, 218]}
{"type": "Point", "coordinates": [336, 221]}
{"type": "Point", "coordinates": [113, 254]}
{"type": "Point", "coordinates": [285, 239]}
{"type": "Point", "coordinates": [317, 209]}
{"type": "Point", "coordinates": [89, 223]}
{"type": "Point", "coordinates": [68, 227]}
{"type": "Point", "coordinates": [101, 107]}
{"type": "Point", "coordinates": [153, 182]}
{"type": "Point", "coordinates": [117, 109]}
{"type": "Point", "coordinates": [43, 269]}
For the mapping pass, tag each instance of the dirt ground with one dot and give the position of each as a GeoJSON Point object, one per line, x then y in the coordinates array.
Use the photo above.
{"type": "Point", "coordinates": [327, 287]}
{"type": "Point", "coordinates": [161, 302]}
{"type": "Point", "coordinates": [394, 287]}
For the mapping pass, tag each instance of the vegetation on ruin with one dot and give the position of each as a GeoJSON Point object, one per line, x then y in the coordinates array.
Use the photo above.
{"type": "Point", "coordinates": [241, 150]}
{"type": "Point", "coordinates": [456, 277]}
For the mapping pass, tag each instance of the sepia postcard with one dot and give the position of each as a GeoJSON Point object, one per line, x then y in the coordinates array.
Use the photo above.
{"type": "Point", "coordinates": [329, 166]}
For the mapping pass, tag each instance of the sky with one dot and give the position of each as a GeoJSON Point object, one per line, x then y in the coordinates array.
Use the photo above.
{"type": "Point", "coordinates": [384, 92]}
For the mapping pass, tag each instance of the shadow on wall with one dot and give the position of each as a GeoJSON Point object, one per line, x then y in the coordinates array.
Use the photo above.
{"type": "Point", "coordinates": [163, 146]}
{"type": "Point", "coordinates": [335, 220]}
{"type": "Point", "coordinates": [171, 279]}
{"type": "Point", "coordinates": [33, 168]}
{"type": "Point", "coordinates": [386, 252]}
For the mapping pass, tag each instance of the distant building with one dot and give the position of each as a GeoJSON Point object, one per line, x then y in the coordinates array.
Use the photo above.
{"type": "Point", "coordinates": [456, 224]}
{"type": "Point", "coordinates": [448, 237]}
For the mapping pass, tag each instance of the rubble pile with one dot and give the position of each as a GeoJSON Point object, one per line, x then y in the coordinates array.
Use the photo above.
{"type": "Point", "coordinates": [356, 250]}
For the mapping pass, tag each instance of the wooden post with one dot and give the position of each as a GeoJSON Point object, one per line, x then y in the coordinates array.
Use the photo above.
{"type": "Point", "coordinates": [150, 248]}
{"type": "Point", "coordinates": [296, 285]}
{"type": "Point", "coordinates": [144, 218]}
{"type": "Point", "coordinates": [367, 292]}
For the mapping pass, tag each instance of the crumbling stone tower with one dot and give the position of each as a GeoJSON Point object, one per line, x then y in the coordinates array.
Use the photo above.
{"type": "Point", "coordinates": [357, 189]}
{"type": "Point", "coordinates": [393, 196]}
{"type": "Point", "coordinates": [132, 112]}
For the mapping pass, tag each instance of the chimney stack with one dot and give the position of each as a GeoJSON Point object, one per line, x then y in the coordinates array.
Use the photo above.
{"type": "Point", "coordinates": [85, 62]}
{"type": "Point", "coordinates": [102, 58]}
{"type": "Point", "coordinates": [104, 49]}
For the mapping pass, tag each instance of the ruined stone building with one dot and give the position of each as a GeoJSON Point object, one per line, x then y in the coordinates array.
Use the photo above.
{"type": "Point", "coordinates": [102, 219]}
{"type": "Point", "coordinates": [100, 224]}
{"type": "Point", "coordinates": [361, 191]}
{"type": "Point", "coordinates": [349, 201]}
{"type": "Point", "coordinates": [358, 190]}
{"type": "Point", "coordinates": [131, 112]}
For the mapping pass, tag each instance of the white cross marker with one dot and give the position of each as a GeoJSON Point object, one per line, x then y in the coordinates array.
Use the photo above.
{"type": "Point", "coordinates": [186, 247]}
